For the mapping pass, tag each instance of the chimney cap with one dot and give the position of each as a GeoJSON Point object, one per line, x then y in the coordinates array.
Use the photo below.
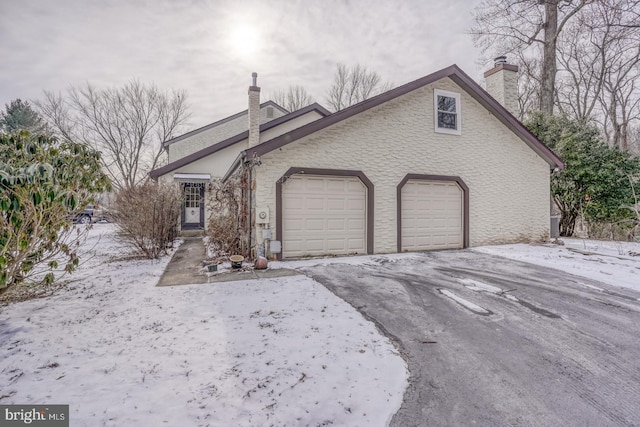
{"type": "Point", "coordinates": [500, 60]}
{"type": "Point", "coordinates": [254, 75]}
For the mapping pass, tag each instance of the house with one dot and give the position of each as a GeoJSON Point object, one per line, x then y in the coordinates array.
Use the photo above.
{"type": "Point", "coordinates": [437, 163]}
{"type": "Point", "coordinates": [199, 156]}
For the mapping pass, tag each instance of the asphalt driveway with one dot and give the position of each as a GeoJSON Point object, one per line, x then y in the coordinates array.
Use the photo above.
{"type": "Point", "coordinates": [495, 342]}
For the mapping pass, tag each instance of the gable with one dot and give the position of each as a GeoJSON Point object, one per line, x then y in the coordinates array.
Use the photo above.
{"type": "Point", "coordinates": [216, 132]}
{"type": "Point", "coordinates": [400, 134]}
{"type": "Point", "coordinates": [453, 73]}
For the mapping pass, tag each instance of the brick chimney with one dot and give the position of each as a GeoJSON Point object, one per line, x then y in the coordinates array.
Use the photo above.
{"type": "Point", "coordinates": [254, 112]}
{"type": "Point", "coordinates": [502, 84]}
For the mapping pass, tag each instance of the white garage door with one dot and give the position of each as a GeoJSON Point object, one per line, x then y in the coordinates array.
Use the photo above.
{"type": "Point", "coordinates": [323, 215]}
{"type": "Point", "coordinates": [432, 215]}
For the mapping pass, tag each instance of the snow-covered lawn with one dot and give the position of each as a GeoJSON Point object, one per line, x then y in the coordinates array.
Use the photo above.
{"type": "Point", "coordinates": [608, 262]}
{"type": "Point", "coordinates": [122, 352]}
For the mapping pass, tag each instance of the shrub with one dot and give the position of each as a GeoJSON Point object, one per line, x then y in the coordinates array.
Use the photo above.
{"type": "Point", "coordinates": [42, 182]}
{"type": "Point", "coordinates": [147, 216]}
{"type": "Point", "coordinates": [226, 221]}
{"type": "Point", "coordinates": [595, 183]}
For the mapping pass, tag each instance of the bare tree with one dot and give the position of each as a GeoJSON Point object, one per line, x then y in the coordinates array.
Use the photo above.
{"type": "Point", "coordinates": [582, 56]}
{"type": "Point", "coordinates": [293, 98]}
{"type": "Point", "coordinates": [528, 84]}
{"type": "Point", "coordinates": [510, 26]}
{"type": "Point", "coordinates": [599, 56]}
{"type": "Point", "coordinates": [128, 125]}
{"type": "Point", "coordinates": [353, 85]}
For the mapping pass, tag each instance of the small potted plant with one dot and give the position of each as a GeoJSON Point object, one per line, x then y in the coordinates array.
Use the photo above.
{"type": "Point", "coordinates": [236, 261]}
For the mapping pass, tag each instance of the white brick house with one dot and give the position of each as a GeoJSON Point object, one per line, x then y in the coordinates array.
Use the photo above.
{"type": "Point", "coordinates": [436, 163]}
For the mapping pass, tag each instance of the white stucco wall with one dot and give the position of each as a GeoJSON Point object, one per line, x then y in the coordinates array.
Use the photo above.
{"type": "Point", "coordinates": [200, 140]}
{"type": "Point", "coordinates": [508, 183]}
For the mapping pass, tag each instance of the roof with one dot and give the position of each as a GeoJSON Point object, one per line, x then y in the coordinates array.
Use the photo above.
{"type": "Point", "coordinates": [220, 122]}
{"type": "Point", "coordinates": [235, 139]}
{"type": "Point", "coordinates": [454, 73]}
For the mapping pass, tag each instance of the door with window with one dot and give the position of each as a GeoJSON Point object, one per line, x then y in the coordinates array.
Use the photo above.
{"type": "Point", "coordinates": [193, 207]}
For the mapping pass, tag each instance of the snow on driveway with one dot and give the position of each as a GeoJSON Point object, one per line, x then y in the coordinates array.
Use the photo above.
{"type": "Point", "coordinates": [121, 351]}
{"type": "Point", "coordinates": [609, 262]}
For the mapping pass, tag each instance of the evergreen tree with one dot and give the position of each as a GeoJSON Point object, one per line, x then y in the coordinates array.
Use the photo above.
{"type": "Point", "coordinates": [596, 181]}
{"type": "Point", "coordinates": [19, 115]}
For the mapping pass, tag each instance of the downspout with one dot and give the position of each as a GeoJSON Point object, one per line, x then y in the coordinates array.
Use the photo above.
{"type": "Point", "coordinates": [249, 225]}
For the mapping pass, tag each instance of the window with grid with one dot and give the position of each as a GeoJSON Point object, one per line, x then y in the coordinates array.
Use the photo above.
{"type": "Point", "coordinates": [447, 112]}
{"type": "Point", "coordinates": [192, 197]}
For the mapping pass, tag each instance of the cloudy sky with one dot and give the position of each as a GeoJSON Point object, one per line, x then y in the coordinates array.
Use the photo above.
{"type": "Point", "coordinates": [209, 48]}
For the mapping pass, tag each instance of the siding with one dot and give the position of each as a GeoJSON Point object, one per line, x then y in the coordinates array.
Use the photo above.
{"type": "Point", "coordinates": [508, 182]}
{"type": "Point", "coordinates": [203, 139]}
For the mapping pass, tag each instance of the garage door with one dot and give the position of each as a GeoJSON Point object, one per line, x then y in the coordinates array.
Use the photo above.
{"type": "Point", "coordinates": [323, 215]}
{"type": "Point", "coordinates": [431, 215]}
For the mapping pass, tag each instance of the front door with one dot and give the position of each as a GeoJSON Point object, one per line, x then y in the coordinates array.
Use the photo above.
{"type": "Point", "coordinates": [193, 208]}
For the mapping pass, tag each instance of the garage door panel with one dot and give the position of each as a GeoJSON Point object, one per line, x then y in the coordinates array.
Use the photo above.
{"type": "Point", "coordinates": [323, 215]}
{"type": "Point", "coordinates": [317, 225]}
{"type": "Point", "coordinates": [314, 203]}
{"type": "Point", "coordinates": [335, 205]}
{"type": "Point", "coordinates": [335, 245]}
{"type": "Point", "coordinates": [335, 185]}
{"type": "Point", "coordinates": [313, 184]}
{"type": "Point", "coordinates": [357, 224]}
{"type": "Point", "coordinates": [337, 224]}
{"type": "Point", "coordinates": [431, 215]}
{"type": "Point", "coordinates": [312, 244]}
{"type": "Point", "coordinates": [355, 244]}
{"type": "Point", "coordinates": [295, 224]}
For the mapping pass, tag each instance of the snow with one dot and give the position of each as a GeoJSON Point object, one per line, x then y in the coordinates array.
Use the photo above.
{"type": "Point", "coordinates": [465, 303]}
{"type": "Point", "coordinates": [610, 262]}
{"type": "Point", "coordinates": [478, 286]}
{"type": "Point", "coordinates": [361, 260]}
{"type": "Point", "coordinates": [121, 351]}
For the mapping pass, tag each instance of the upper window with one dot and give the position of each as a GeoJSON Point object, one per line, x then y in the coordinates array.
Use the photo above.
{"type": "Point", "coordinates": [448, 117]}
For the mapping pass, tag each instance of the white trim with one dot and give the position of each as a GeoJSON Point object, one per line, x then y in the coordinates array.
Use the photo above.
{"type": "Point", "coordinates": [192, 177]}
{"type": "Point", "coordinates": [458, 113]}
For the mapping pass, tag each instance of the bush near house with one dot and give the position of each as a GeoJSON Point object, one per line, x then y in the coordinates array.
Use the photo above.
{"type": "Point", "coordinates": [147, 216]}
{"type": "Point", "coordinates": [227, 219]}
{"type": "Point", "coordinates": [43, 182]}
{"type": "Point", "coordinates": [596, 184]}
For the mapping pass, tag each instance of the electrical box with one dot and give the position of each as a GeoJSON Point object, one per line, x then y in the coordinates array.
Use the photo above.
{"type": "Point", "coordinates": [266, 234]}
{"type": "Point", "coordinates": [275, 247]}
{"type": "Point", "coordinates": [262, 215]}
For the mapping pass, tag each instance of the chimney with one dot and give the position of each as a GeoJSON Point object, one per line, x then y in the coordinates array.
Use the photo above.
{"type": "Point", "coordinates": [502, 84]}
{"type": "Point", "coordinates": [254, 112]}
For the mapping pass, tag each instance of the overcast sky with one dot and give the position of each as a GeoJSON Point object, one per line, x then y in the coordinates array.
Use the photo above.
{"type": "Point", "coordinates": [210, 48]}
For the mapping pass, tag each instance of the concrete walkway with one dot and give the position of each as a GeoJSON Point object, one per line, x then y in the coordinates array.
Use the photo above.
{"type": "Point", "coordinates": [185, 268]}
